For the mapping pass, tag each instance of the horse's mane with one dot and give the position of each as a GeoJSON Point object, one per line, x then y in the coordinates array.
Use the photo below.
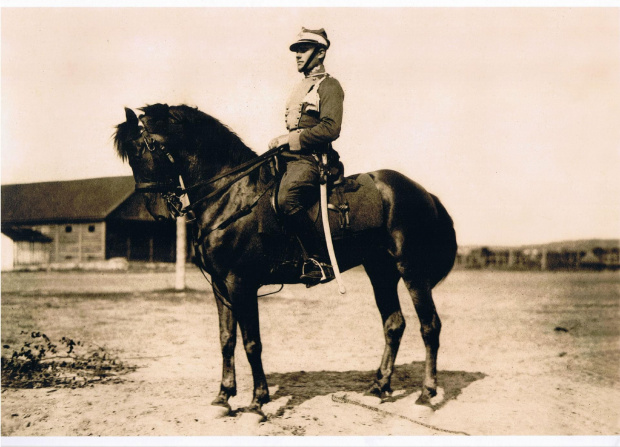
{"type": "Point", "coordinates": [198, 133]}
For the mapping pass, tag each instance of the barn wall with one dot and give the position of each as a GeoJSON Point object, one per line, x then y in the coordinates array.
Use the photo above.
{"type": "Point", "coordinates": [141, 241]}
{"type": "Point", "coordinates": [76, 242]}
{"type": "Point", "coordinates": [7, 253]}
{"type": "Point", "coordinates": [32, 253]}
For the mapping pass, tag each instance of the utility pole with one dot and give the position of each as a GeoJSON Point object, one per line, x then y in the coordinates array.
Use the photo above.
{"type": "Point", "coordinates": [179, 282]}
{"type": "Point", "coordinates": [544, 261]}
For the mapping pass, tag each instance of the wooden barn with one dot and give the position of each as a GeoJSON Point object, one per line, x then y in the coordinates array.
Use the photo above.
{"type": "Point", "coordinates": [82, 221]}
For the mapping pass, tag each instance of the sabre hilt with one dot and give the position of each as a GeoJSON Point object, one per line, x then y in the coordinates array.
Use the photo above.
{"type": "Point", "coordinates": [323, 171]}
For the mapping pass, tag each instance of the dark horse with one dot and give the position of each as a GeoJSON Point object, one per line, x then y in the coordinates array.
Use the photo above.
{"type": "Point", "coordinates": [227, 186]}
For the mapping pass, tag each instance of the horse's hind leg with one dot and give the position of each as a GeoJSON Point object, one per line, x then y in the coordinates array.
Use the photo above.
{"type": "Point", "coordinates": [384, 278]}
{"type": "Point", "coordinates": [430, 327]}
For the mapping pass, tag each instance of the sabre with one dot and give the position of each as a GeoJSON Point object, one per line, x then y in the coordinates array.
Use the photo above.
{"type": "Point", "coordinates": [326, 229]}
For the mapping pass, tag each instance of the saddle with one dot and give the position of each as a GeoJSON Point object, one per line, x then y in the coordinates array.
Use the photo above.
{"type": "Point", "coordinates": [354, 205]}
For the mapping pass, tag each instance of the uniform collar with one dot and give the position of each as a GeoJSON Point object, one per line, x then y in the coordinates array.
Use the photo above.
{"type": "Point", "coordinates": [317, 71]}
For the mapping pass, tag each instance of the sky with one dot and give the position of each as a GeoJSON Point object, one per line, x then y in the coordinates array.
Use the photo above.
{"type": "Point", "coordinates": [510, 115]}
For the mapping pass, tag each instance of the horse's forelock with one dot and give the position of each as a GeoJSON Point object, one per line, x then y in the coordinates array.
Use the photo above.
{"type": "Point", "coordinates": [122, 139]}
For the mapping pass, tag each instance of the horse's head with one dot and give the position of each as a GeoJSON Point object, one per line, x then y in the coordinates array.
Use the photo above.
{"type": "Point", "coordinates": [142, 143]}
{"type": "Point", "coordinates": [165, 143]}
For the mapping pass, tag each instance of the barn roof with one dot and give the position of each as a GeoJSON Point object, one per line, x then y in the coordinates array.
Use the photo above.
{"type": "Point", "coordinates": [26, 235]}
{"type": "Point", "coordinates": [67, 201]}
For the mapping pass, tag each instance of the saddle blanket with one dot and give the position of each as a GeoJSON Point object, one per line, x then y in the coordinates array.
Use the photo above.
{"type": "Point", "coordinates": [354, 206]}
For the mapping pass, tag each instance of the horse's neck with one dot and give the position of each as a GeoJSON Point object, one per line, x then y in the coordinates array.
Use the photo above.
{"type": "Point", "coordinates": [202, 177]}
{"type": "Point", "coordinates": [211, 213]}
{"type": "Point", "coordinates": [195, 170]}
{"type": "Point", "coordinates": [231, 185]}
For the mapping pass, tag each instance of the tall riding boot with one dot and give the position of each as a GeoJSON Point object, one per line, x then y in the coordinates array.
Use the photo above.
{"type": "Point", "coordinates": [316, 265]}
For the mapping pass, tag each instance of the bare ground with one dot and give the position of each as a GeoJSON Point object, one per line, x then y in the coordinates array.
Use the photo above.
{"type": "Point", "coordinates": [521, 354]}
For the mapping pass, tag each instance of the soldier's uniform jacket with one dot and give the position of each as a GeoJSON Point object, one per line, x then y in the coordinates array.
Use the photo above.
{"type": "Point", "coordinates": [314, 113]}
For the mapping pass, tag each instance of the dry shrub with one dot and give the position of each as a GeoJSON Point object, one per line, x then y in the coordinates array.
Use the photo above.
{"type": "Point", "coordinates": [40, 363]}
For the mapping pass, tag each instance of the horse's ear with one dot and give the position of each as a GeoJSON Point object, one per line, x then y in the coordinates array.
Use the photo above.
{"type": "Point", "coordinates": [131, 117]}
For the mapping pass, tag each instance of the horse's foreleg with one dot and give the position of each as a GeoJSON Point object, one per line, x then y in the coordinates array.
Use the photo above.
{"type": "Point", "coordinates": [384, 279]}
{"type": "Point", "coordinates": [430, 327]}
{"type": "Point", "coordinates": [249, 323]}
{"type": "Point", "coordinates": [228, 341]}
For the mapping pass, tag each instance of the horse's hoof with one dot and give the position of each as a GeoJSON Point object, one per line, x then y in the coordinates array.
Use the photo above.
{"type": "Point", "coordinates": [438, 397]}
{"type": "Point", "coordinates": [424, 399]}
{"type": "Point", "coordinates": [274, 407]}
{"type": "Point", "coordinates": [216, 411]}
{"type": "Point", "coordinates": [374, 390]}
{"type": "Point", "coordinates": [430, 397]}
{"type": "Point", "coordinates": [252, 417]}
{"type": "Point", "coordinates": [386, 396]}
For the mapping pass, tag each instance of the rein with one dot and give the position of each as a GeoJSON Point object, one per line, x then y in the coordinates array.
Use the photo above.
{"type": "Point", "coordinates": [261, 159]}
{"type": "Point", "coordinates": [245, 169]}
{"type": "Point", "coordinates": [176, 194]}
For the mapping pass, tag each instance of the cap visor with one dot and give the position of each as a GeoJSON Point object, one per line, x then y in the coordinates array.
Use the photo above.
{"type": "Point", "coordinates": [303, 42]}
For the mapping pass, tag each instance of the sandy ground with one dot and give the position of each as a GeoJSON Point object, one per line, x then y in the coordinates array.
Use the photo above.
{"type": "Point", "coordinates": [504, 369]}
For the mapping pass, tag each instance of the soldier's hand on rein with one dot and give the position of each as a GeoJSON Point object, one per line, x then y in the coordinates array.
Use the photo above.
{"type": "Point", "coordinates": [280, 141]}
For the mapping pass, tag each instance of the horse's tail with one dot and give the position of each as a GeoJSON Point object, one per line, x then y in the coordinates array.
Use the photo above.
{"type": "Point", "coordinates": [444, 247]}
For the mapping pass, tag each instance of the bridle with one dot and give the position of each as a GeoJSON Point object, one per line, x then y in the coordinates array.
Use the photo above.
{"type": "Point", "coordinates": [176, 193]}
{"type": "Point", "coordinates": [172, 192]}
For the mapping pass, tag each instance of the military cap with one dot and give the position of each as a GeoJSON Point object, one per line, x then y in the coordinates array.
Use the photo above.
{"type": "Point", "coordinates": [311, 36]}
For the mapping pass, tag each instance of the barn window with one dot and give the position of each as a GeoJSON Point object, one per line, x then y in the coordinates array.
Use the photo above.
{"type": "Point", "coordinates": [91, 228]}
{"type": "Point", "coordinates": [68, 229]}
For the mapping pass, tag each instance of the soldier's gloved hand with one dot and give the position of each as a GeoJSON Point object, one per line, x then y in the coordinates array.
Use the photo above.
{"type": "Point", "coordinates": [280, 141]}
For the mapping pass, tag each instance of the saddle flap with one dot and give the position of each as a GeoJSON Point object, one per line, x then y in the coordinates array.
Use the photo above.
{"type": "Point", "coordinates": [355, 205]}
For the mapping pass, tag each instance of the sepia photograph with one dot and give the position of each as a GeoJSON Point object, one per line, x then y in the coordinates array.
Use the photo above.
{"type": "Point", "coordinates": [304, 224]}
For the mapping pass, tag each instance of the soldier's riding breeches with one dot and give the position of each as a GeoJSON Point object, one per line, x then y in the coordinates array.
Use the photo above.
{"type": "Point", "coordinates": [299, 187]}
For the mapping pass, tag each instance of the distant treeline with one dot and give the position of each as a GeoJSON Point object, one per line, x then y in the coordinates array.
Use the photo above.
{"type": "Point", "coordinates": [572, 256]}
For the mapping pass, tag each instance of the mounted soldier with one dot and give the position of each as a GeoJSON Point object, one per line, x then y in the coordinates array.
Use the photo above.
{"type": "Point", "coordinates": [313, 120]}
{"type": "Point", "coordinates": [391, 225]}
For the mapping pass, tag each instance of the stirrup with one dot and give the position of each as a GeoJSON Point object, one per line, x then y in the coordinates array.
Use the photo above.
{"type": "Point", "coordinates": [311, 278]}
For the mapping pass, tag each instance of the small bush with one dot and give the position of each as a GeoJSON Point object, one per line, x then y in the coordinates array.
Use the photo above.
{"type": "Point", "coordinates": [40, 363]}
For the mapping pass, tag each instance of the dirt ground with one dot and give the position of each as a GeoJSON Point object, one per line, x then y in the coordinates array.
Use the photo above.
{"type": "Point", "coordinates": [521, 354]}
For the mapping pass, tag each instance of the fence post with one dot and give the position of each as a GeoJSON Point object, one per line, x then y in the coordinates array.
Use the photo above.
{"type": "Point", "coordinates": [181, 255]}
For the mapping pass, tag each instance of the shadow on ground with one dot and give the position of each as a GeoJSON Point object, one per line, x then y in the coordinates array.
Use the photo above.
{"type": "Point", "coordinates": [303, 386]}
